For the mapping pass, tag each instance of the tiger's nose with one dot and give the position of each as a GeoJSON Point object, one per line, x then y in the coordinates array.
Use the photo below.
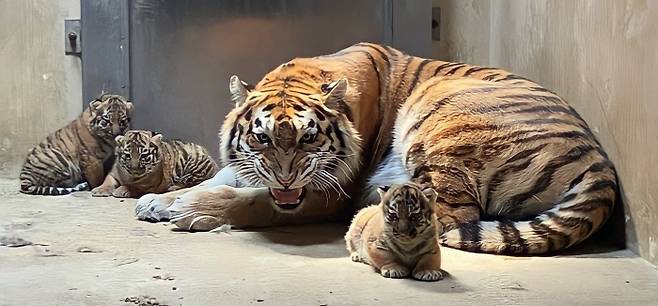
{"type": "Point", "coordinates": [286, 180]}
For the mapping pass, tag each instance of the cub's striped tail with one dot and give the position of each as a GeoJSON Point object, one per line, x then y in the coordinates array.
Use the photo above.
{"type": "Point", "coordinates": [29, 188]}
{"type": "Point", "coordinates": [583, 209]}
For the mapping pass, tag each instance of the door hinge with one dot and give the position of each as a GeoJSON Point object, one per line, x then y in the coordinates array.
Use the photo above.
{"type": "Point", "coordinates": [72, 37]}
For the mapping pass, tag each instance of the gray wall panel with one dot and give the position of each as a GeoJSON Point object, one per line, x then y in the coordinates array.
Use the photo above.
{"type": "Point", "coordinates": [183, 52]}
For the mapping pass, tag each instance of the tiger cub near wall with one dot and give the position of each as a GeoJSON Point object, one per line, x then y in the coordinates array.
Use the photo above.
{"type": "Point", "coordinates": [398, 235]}
{"type": "Point", "coordinates": [73, 158]}
{"type": "Point", "coordinates": [147, 164]}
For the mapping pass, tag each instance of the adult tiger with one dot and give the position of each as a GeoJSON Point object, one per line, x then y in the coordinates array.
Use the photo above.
{"type": "Point", "coordinates": [516, 169]}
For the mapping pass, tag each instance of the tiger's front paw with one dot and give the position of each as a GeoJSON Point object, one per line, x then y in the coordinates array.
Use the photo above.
{"type": "Point", "coordinates": [101, 191]}
{"type": "Point", "coordinates": [153, 207]}
{"type": "Point", "coordinates": [394, 270]}
{"type": "Point", "coordinates": [203, 210]}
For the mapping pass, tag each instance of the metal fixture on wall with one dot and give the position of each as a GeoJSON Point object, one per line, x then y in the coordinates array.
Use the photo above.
{"type": "Point", "coordinates": [182, 53]}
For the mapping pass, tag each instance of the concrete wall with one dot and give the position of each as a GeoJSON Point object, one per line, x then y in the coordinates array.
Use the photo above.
{"type": "Point", "coordinates": [601, 57]}
{"type": "Point", "coordinates": [40, 86]}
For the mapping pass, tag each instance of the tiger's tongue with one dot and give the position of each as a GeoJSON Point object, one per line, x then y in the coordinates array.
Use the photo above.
{"type": "Point", "coordinates": [286, 196]}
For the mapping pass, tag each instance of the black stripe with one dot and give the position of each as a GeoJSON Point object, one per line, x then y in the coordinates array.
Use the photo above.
{"type": "Point", "coordinates": [470, 236]}
{"type": "Point", "coordinates": [453, 70]}
{"type": "Point", "coordinates": [380, 52]}
{"type": "Point", "coordinates": [490, 77]}
{"type": "Point", "coordinates": [545, 179]}
{"type": "Point", "coordinates": [512, 240]}
{"type": "Point", "coordinates": [446, 65]}
{"type": "Point", "coordinates": [566, 135]}
{"type": "Point", "coordinates": [402, 76]}
{"type": "Point", "coordinates": [600, 185]}
{"type": "Point", "coordinates": [476, 69]}
{"type": "Point", "coordinates": [417, 73]}
{"type": "Point", "coordinates": [500, 175]}
{"type": "Point", "coordinates": [533, 97]}
{"type": "Point", "coordinates": [545, 109]}
{"type": "Point", "coordinates": [546, 232]}
{"type": "Point", "coordinates": [589, 205]}
{"type": "Point", "coordinates": [571, 223]}
{"type": "Point", "coordinates": [499, 107]}
{"type": "Point", "coordinates": [526, 153]}
{"type": "Point", "coordinates": [596, 167]}
{"type": "Point", "coordinates": [436, 105]}
{"type": "Point", "coordinates": [513, 77]}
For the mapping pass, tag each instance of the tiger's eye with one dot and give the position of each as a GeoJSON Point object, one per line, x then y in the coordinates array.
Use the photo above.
{"type": "Point", "coordinates": [308, 138]}
{"type": "Point", "coordinates": [263, 138]}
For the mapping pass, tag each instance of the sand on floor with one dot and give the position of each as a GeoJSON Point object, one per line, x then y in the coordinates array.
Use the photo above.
{"type": "Point", "coordinates": [78, 250]}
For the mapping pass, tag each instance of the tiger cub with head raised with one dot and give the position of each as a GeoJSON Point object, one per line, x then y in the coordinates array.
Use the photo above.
{"type": "Point", "coordinates": [73, 157]}
{"type": "Point", "coordinates": [398, 235]}
{"type": "Point", "coordinates": [147, 164]}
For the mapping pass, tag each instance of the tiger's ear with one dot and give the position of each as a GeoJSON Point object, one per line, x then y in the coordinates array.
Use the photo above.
{"type": "Point", "coordinates": [118, 139]}
{"type": "Point", "coordinates": [334, 94]}
{"type": "Point", "coordinates": [156, 139]}
{"type": "Point", "coordinates": [95, 104]}
{"type": "Point", "coordinates": [239, 90]}
{"type": "Point", "coordinates": [129, 106]}
{"type": "Point", "coordinates": [430, 193]}
{"type": "Point", "coordinates": [382, 190]}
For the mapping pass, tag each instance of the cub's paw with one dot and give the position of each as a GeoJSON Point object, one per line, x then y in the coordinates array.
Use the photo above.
{"type": "Point", "coordinates": [101, 191]}
{"type": "Point", "coordinates": [153, 208]}
{"type": "Point", "coordinates": [394, 271]}
{"type": "Point", "coordinates": [356, 258]}
{"type": "Point", "coordinates": [122, 192]}
{"type": "Point", "coordinates": [428, 275]}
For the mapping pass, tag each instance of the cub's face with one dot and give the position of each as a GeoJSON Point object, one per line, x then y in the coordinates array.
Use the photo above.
{"type": "Point", "coordinates": [110, 116]}
{"type": "Point", "coordinates": [407, 209]}
{"type": "Point", "coordinates": [285, 137]}
{"type": "Point", "coordinates": [138, 152]}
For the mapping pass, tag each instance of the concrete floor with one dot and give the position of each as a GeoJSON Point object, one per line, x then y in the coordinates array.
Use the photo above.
{"type": "Point", "coordinates": [88, 251]}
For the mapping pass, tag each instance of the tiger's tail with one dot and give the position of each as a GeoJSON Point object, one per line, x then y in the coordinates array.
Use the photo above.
{"type": "Point", "coordinates": [583, 209]}
{"type": "Point", "coordinates": [28, 187]}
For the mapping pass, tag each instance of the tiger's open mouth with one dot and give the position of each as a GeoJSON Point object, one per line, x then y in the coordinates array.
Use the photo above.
{"type": "Point", "coordinates": [287, 199]}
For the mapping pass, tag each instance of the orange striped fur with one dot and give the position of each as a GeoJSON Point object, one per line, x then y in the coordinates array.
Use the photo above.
{"type": "Point", "coordinates": [516, 170]}
{"type": "Point", "coordinates": [147, 164]}
{"type": "Point", "coordinates": [74, 157]}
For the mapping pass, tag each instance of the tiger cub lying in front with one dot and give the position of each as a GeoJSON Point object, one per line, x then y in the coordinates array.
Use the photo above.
{"type": "Point", "coordinates": [399, 234]}
{"type": "Point", "coordinates": [147, 164]}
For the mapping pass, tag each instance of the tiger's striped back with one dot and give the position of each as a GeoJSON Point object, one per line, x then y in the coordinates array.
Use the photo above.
{"type": "Point", "coordinates": [520, 159]}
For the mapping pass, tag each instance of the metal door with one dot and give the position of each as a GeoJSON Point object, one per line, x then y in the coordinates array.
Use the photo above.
{"type": "Point", "coordinates": [182, 52]}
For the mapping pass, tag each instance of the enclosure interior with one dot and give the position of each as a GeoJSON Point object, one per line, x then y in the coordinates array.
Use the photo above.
{"type": "Point", "coordinates": [173, 60]}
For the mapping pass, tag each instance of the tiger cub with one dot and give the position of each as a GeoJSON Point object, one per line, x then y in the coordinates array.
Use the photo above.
{"type": "Point", "coordinates": [399, 234]}
{"type": "Point", "coordinates": [73, 157]}
{"type": "Point", "coordinates": [147, 164]}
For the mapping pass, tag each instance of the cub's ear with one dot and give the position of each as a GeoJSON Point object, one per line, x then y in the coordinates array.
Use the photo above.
{"type": "Point", "coordinates": [95, 104]}
{"type": "Point", "coordinates": [156, 139]}
{"type": "Point", "coordinates": [335, 94]}
{"type": "Point", "coordinates": [382, 191]}
{"type": "Point", "coordinates": [239, 90]}
{"type": "Point", "coordinates": [118, 139]}
{"type": "Point", "coordinates": [430, 193]}
{"type": "Point", "coordinates": [129, 107]}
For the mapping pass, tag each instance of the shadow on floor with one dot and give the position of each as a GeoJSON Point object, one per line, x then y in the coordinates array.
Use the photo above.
{"type": "Point", "coordinates": [317, 241]}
